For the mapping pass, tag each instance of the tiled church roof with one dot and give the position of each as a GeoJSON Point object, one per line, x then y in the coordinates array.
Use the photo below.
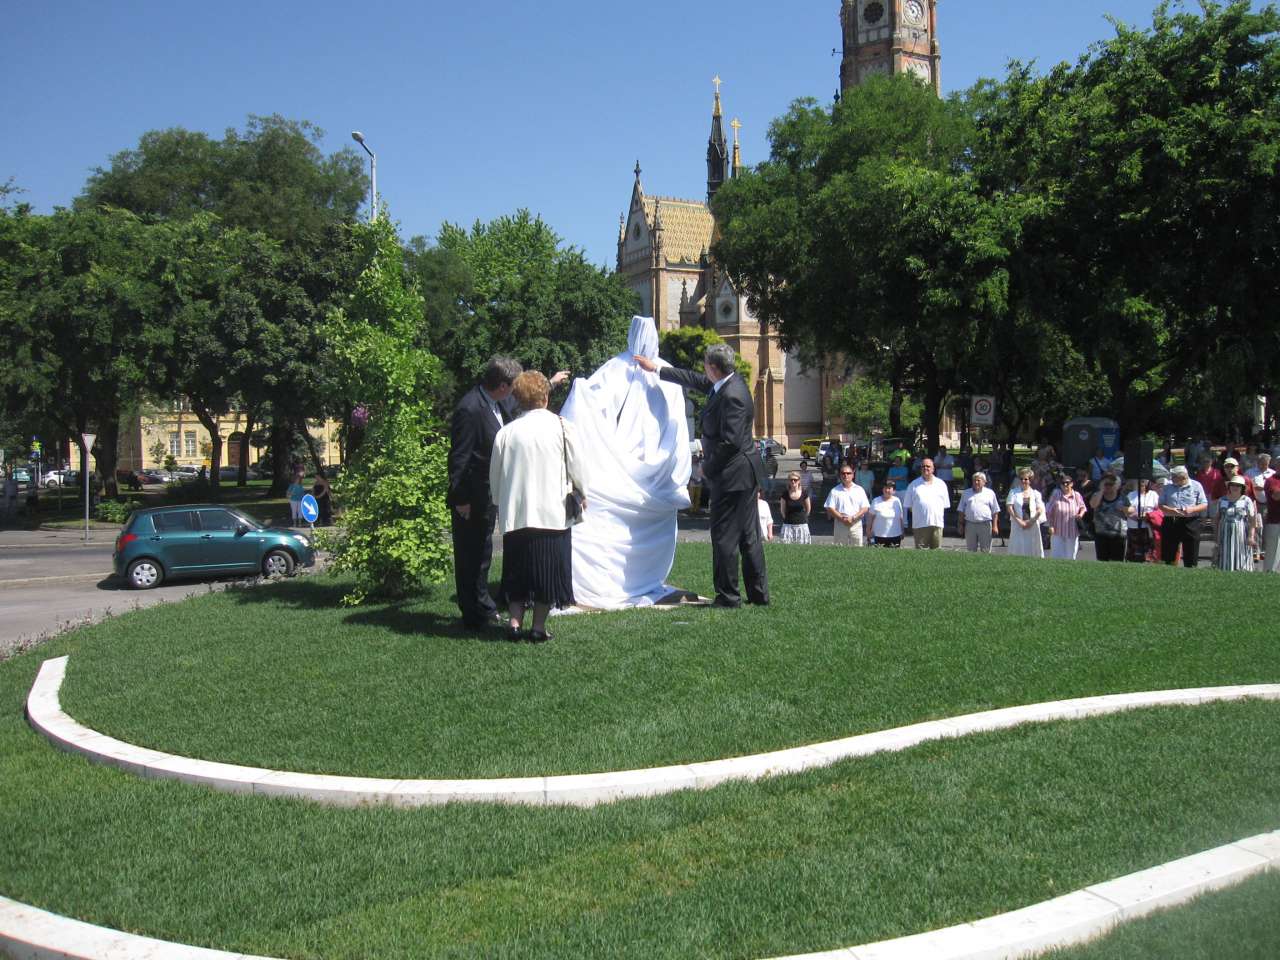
{"type": "Point", "coordinates": [686, 227]}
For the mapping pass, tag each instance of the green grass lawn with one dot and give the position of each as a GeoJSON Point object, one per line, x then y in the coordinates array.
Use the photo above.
{"type": "Point", "coordinates": [1242, 923]}
{"type": "Point", "coordinates": [855, 641]}
{"type": "Point", "coordinates": [863, 850]}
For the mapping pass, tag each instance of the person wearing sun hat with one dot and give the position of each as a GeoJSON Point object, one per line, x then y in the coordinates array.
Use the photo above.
{"type": "Point", "coordinates": [1183, 504]}
{"type": "Point", "coordinates": [1237, 535]}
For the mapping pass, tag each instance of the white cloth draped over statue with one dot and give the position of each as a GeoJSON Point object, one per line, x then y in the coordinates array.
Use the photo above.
{"type": "Point", "coordinates": [633, 429]}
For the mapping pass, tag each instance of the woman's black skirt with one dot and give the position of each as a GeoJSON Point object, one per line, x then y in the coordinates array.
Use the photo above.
{"type": "Point", "coordinates": [537, 566]}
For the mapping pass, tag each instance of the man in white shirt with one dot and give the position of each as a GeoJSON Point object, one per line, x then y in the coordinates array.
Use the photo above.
{"type": "Point", "coordinates": [926, 503]}
{"type": "Point", "coordinates": [846, 505]}
{"type": "Point", "coordinates": [1260, 475]}
{"type": "Point", "coordinates": [979, 515]}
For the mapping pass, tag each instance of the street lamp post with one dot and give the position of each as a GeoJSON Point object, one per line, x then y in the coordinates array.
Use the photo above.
{"type": "Point", "coordinates": [358, 137]}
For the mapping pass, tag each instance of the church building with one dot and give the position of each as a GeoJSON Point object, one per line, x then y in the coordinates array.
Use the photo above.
{"type": "Point", "coordinates": [664, 242]}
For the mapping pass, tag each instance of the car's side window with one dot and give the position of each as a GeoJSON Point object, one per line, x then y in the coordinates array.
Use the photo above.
{"type": "Point", "coordinates": [176, 522]}
{"type": "Point", "coordinates": [216, 520]}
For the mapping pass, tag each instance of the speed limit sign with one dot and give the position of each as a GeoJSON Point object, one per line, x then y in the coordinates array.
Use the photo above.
{"type": "Point", "coordinates": [982, 411]}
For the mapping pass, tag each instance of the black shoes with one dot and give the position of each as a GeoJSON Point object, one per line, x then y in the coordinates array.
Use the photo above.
{"type": "Point", "coordinates": [727, 604]}
{"type": "Point", "coordinates": [539, 636]}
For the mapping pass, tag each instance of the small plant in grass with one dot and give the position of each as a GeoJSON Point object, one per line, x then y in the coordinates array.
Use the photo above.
{"type": "Point", "coordinates": [395, 521]}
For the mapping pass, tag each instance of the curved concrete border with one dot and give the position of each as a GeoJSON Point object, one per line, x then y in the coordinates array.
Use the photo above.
{"type": "Point", "coordinates": [32, 934]}
{"type": "Point", "coordinates": [44, 712]}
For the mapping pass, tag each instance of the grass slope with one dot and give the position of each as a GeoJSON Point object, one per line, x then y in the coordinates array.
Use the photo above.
{"type": "Point", "coordinates": [1242, 923]}
{"type": "Point", "coordinates": [863, 850]}
{"type": "Point", "coordinates": [855, 641]}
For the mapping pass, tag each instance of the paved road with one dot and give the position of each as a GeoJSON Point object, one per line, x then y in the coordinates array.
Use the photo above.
{"type": "Point", "coordinates": [50, 581]}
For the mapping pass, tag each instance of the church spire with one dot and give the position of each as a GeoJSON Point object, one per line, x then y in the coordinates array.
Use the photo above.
{"type": "Point", "coordinates": [717, 149]}
{"type": "Point", "coordinates": [737, 151]}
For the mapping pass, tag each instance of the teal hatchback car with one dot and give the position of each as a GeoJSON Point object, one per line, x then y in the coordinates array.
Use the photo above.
{"type": "Point", "coordinates": [166, 543]}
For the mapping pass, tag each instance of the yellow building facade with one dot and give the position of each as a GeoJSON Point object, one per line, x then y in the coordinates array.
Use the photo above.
{"type": "Point", "coordinates": [156, 434]}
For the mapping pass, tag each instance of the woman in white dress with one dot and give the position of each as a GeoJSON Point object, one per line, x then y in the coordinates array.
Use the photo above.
{"type": "Point", "coordinates": [1026, 513]}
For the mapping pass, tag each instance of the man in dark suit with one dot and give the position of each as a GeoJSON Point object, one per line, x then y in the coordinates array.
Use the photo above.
{"type": "Point", "coordinates": [732, 468]}
{"type": "Point", "coordinates": [479, 415]}
{"type": "Point", "coordinates": [476, 420]}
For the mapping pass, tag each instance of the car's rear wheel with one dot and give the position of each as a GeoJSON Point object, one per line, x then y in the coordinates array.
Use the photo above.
{"type": "Point", "coordinates": [144, 574]}
{"type": "Point", "coordinates": [277, 563]}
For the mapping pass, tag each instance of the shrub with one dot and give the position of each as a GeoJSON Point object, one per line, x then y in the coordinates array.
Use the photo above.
{"type": "Point", "coordinates": [114, 511]}
{"type": "Point", "coordinates": [395, 523]}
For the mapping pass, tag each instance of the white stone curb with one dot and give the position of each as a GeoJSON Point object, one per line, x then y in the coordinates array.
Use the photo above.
{"type": "Point", "coordinates": [1080, 916]}
{"type": "Point", "coordinates": [30, 934]}
{"type": "Point", "coordinates": [44, 712]}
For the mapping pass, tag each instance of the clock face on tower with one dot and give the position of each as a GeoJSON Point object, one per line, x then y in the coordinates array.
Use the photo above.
{"type": "Point", "coordinates": [914, 11]}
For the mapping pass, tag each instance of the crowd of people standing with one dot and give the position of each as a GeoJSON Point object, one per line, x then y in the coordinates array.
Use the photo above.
{"type": "Point", "coordinates": [1232, 501]}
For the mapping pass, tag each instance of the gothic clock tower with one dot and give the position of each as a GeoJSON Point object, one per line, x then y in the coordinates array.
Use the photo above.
{"type": "Point", "coordinates": [890, 36]}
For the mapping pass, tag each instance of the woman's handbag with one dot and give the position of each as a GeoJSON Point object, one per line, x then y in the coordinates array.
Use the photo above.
{"type": "Point", "coordinates": [573, 499]}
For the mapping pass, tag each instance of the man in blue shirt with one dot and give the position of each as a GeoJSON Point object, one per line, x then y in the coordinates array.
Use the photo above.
{"type": "Point", "coordinates": [1183, 503]}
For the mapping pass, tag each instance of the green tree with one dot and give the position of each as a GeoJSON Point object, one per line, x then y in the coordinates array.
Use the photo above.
{"type": "Point", "coordinates": [269, 182]}
{"type": "Point", "coordinates": [271, 177]}
{"type": "Point", "coordinates": [77, 301]}
{"type": "Point", "coordinates": [396, 522]}
{"type": "Point", "coordinates": [864, 405]}
{"type": "Point", "coordinates": [1157, 161]}
{"type": "Point", "coordinates": [864, 234]}
{"type": "Point", "coordinates": [511, 287]}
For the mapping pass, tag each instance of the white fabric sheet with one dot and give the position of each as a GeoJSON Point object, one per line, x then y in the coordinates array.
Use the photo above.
{"type": "Point", "coordinates": [633, 429]}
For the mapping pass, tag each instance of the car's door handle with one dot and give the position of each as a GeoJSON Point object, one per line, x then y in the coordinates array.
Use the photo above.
{"type": "Point", "coordinates": [207, 536]}
{"type": "Point", "coordinates": [155, 538]}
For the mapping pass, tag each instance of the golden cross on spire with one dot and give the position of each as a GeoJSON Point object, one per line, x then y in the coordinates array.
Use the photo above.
{"type": "Point", "coordinates": [737, 125]}
{"type": "Point", "coordinates": [717, 81]}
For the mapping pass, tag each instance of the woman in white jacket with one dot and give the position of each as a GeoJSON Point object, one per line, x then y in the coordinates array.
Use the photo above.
{"type": "Point", "coordinates": [1026, 513]}
{"type": "Point", "coordinates": [536, 462]}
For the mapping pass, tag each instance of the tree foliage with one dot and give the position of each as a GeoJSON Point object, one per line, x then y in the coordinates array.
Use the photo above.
{"type": "Point", "coordinates": [77, 299]}
{"type": "Point", "coordinates": [1098, 239]}
{"type": "Point", "coordinates": [396, 522]}
{"type": "Point", "coordinates": [864, 234]}
{"type": "Point", "coordinates": [865, 406]}
{"type": "Point", "coordinates": [511, 287]}
{"type": "Point", "coordinates": [1157, 160]}
{"type": "Point", "coordinates": [271, 177]}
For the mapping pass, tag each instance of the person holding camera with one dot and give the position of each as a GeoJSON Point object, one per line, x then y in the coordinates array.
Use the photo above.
{"type": "Point", "coordinates": [1184, 505]}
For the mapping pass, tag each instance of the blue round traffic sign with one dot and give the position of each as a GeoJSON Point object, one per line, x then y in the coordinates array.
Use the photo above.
{"type": "Point", "coordinates": [310, 509]}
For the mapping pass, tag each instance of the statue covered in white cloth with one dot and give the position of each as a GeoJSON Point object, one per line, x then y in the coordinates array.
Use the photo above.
{"type": "Point", "coordinates": [634, 429]}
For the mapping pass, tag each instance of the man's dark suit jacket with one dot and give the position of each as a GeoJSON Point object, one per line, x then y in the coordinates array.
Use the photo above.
{"type": "Point", "coordinates": [730, 458]}
{"type": "Point", "coordinates": [471, 434]}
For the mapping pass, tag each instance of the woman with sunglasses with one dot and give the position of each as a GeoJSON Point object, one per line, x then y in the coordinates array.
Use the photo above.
{"type": "Point", "coordinates": [1066, 510]}
{"type": "Point", "coordinates": [1026, 513]}
{"type": "Point", "coordinates": [1110, 519]}
{"type": "Point", "coordinates": [794, 507]}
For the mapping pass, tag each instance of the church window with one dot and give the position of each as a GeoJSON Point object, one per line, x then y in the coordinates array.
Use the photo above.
{"type": "Point", "coordinates": [873, 12]}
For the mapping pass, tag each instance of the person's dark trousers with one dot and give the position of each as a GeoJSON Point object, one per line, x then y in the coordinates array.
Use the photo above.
{"type": "Point", "coordinates": [472, 555]}
{"type": "Point", "coordinates": [1109, 548]}
{"type": "Point", "coordinates": [735, 529]}
{"type": "Point", "coordinates": [1181, 532]}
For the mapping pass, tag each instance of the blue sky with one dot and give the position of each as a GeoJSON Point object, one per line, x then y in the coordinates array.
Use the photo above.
{"type": "Point", "coordinates": [474, 110]}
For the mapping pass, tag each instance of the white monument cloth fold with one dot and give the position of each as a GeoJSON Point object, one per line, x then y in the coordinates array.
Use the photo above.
{"type": "Point", "coordinates": [633, 429]}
